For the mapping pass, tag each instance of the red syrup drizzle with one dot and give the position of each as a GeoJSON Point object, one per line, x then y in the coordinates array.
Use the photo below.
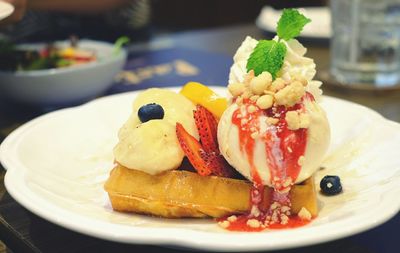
{"type": "Point", "coordinates": [283, 149]}
{"type": "Point", "coordinates": [293, 222]}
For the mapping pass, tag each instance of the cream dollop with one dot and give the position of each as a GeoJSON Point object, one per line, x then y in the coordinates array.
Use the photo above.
{"type": "Point", "coordinates": [318, 139]}
{"type": "Point", "coordinates": [152, 146]}
{"type": "Point", "coordinates": [238, 69]}
{"type": "Point", "coordinates": [294, 64]}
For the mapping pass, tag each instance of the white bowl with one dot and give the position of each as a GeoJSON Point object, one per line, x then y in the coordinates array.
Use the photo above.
{"type": "Point", "coordinates": [68, 85]}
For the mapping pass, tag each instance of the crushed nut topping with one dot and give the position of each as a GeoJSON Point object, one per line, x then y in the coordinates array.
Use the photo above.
{"type": "Point", "coordinates": [296, 120]}
{"type": "Point", "coordinates": [272, 121]}
{"type": "Point", "coordinates": [236, 89]}
{"type": "Point", "coordinates": [304, 214]}
{"type": "Point", "coordinates": [253, 223]}
{"type": "Point", "coordinates": [265, 101]}
{"type": "Point", "coordinates": [290, 95]}
{"type": "Point", "coordinates": [251, 109]}
{"type": "Point", "coordinates": [277, 85]}
{"type": "Point", "coordinates": [224, 223]}
{"type": "Point", "coordinates": [232, 218]}
{"type": "Point", "coordinates": [260, 83]}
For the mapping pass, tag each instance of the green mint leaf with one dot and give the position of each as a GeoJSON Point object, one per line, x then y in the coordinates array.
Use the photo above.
{"type": "Point", "coordinates": [290, 24]}
{"type": "Point", "coordinates": [267, 56]}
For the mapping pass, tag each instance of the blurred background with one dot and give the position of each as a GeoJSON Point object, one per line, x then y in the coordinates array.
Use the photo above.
{"type": "Point", "coordinates": [138, 18]}
{"type": "Point", "coordinates": [183, 15]}
{"type": "Point", "coordinates": [198, 39]}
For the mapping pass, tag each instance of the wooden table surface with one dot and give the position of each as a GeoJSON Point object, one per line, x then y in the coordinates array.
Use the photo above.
{"type": "Point", "coordinates": [23, 231]}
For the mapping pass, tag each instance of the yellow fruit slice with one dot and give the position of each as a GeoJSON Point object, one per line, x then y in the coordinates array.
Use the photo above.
{"type": "Point", "coordinates": [200, 94]}
{"type": "Point", "coordinates": [68, 52]}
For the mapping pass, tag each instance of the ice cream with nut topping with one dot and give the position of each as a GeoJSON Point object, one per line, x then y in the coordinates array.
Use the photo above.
{"type": "Point", "coordinates": [262, 107]}
{"type": "Point", "coordinates": [274, 132]}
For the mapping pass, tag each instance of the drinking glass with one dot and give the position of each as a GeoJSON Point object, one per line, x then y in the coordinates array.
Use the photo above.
{"type": "Point", "coordinates": [365, 44]}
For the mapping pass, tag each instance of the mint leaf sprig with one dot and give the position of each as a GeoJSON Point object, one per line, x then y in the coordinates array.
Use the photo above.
{"type": "Point", "coordinates": [268, 55]}
{"type": "Point", "coordinates": [291, 24]}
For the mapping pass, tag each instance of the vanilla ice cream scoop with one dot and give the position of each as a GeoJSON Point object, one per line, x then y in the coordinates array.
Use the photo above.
{"type": "Point", "coordinates": [152, 146]}
{"type": "Point", "coordinates": [229, 139]}
{"type": "Point", "coordinates": [274, 133]}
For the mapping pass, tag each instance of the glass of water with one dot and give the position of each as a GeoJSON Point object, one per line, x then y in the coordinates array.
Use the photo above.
{"type": "Point", "coordinates": [365, 44]}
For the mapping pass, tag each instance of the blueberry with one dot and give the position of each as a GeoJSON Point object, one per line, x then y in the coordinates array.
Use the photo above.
{"type": "Point", "coordinates": [150, 111]}
{"type": "Point", "coordinates": [330, 185]}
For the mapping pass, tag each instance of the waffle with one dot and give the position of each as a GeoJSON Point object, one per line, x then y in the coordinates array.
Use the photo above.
{"type": "Point", "coordinates": [179, 193]}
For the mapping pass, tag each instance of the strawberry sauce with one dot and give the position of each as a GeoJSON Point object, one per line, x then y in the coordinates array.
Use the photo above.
{"type": "Point", "coordinates": [284, 147]}
{"type": "Point", "coordinates": [284, 150]}
{"type": "Point", "coordinates": [294, 222]}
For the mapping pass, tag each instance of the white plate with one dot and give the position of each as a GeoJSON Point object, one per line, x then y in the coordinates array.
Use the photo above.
{"type": "Point", "coordinates": [6, 9]}
{"type": "Point", "coordinates": [57, 164]}
{"type": "Point", "coordinates": [320, 27]}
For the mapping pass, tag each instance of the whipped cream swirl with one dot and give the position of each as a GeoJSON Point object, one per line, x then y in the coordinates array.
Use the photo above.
{"type": "Point", "coordinates": [294, 64]}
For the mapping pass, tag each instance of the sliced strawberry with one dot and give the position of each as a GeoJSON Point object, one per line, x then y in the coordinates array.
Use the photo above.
{"type": "Point", "coordinates": [204, 157]}
{"type": "Point", "coordinates": [193, 150]}
{"type": "Point", "coordinates": [217, 164]}
{"type": "Point", "coordinates": [207, 127]}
